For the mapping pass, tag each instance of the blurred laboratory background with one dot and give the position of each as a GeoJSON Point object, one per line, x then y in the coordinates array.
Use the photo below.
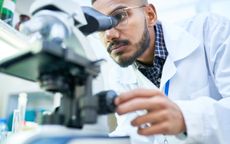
{"type": "Point", "coordinates": [168, 10]}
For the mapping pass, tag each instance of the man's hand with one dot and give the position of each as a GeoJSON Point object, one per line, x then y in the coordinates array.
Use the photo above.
{"type": "Point", "coordinates": [164, 116]}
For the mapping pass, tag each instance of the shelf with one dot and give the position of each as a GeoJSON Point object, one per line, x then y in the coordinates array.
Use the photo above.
{"type": "Point", "coordinates": [12, 37]}
{"type": "Point", "coordinates": [11, 41]}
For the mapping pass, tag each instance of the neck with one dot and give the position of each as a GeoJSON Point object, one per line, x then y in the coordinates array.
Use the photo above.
{"type": "Point", "coordinates": [148, 56]}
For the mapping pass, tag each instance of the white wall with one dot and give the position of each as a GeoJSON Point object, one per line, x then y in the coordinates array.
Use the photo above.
{"type": "Point", "coordinates": [177, 10]}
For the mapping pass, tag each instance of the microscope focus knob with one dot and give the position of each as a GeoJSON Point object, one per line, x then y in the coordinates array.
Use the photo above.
{"type": "Point", "coordinates": [106, 103]}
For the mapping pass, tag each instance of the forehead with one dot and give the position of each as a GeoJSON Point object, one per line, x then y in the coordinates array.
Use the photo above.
{"type": "Point", "coordinates": [107, 6]}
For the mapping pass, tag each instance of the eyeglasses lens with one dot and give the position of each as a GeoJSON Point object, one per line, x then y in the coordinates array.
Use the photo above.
{"type": "Point", "coordinates": [122, 17]}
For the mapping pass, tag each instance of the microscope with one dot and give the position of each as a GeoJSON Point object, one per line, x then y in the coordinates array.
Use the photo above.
{"type": "Point", "coordinates": [59, 60]}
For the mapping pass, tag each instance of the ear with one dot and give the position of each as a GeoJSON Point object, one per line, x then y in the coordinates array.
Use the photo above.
{"type": "Point", "coordinates": [151, 15]}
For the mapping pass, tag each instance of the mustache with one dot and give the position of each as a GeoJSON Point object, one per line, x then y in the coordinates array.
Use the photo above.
{"type": "Point", "coordinates": [116, 43]}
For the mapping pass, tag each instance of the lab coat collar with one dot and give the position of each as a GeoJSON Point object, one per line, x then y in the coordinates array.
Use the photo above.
{"type": "Point", "coordinates": [178, 41]}
{"type": "Point", "coordinates": [179, 44]}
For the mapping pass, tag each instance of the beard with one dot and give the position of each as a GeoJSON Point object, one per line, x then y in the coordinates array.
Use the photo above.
{"type": "Point", "coordinates": [141, 46]}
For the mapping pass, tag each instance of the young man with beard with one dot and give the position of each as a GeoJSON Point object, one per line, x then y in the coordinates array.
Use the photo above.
{"type": "Point", "coordinates": [175, 84]}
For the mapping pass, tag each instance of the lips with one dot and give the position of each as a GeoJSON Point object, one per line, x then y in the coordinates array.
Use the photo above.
{"type": "Point", "coordinates": [117, 45]}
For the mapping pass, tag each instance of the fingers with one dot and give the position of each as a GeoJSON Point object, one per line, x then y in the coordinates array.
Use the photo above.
{"type": "Point", "coordinates": [168, 120]}
{"type": "Point", "coordinates": [149, 104]}
{"type": "Point", "coordinates": [162, 128]}
{"type": "Point", "coordinates": [158, 123]}
{"type": "Point", "coordinates": [163, 116]}
{"type": "Point", "coordinates": [152, 118]}
{"type": "Point", "coordinates": [137, 93]}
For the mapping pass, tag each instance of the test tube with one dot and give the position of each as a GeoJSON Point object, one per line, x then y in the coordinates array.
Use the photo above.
{"type": "Point", "coordinates": [16, 121]}
{"type": "Point", "coordinates": [22, 102]}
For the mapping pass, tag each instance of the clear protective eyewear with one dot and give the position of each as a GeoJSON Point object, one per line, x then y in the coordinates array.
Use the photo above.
{"type": "Point", "coordinates": [122, 15]}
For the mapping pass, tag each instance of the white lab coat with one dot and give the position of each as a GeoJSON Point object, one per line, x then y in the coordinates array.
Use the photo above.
{"type": "Point", "coordinates": [199, 85]}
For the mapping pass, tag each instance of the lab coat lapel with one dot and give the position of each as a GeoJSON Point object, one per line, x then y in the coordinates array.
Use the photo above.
{"type": "Point", "coordinates": [169, 70]}
{"type": "Point", "coordinates": [179, 46]}
{"type": "Point", "coordinates": [179, 42]}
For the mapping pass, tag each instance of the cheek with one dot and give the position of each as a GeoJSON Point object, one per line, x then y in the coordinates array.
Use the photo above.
{"type": "Point", "coordinates": [135, 31]}
{"type": "Point", "coordinates": [103, 39]}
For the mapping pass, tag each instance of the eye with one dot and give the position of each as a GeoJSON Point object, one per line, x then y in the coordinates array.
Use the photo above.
{"type": "Point", "coordinates": [120, 15]}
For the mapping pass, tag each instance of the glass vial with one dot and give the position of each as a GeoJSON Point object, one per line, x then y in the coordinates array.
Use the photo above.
{"type": "Point", "coordinates": [7, 11]}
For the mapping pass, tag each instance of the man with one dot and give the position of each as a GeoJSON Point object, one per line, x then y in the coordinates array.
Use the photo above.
{"type": "Point", "coordinates": [175, 79]}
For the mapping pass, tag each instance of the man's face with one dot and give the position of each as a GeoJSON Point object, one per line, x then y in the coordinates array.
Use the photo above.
{"type": "Point", "coordinates": [129, 40]}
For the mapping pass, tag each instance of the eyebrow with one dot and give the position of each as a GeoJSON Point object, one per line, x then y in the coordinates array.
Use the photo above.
{"type": "Point", "coordinates": [117, 8]}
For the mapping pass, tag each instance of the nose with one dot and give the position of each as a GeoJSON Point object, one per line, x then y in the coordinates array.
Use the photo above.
{"type": "Point", "coordinates": [112, 34]}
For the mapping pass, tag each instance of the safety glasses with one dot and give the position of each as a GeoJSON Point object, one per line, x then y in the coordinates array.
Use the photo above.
{"type": "Point", "coordinates": [122, 15]}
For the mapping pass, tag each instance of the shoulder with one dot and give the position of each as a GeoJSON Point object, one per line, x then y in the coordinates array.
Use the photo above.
{"type": "Point", "coordinates": [121, 78]}
{"type": "Point", "coordinates": [122, 75]}
{"type": "Point", "coordinates": [206, 22]}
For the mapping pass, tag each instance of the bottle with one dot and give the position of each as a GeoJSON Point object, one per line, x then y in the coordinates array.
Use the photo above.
{"type": "Point", "coordinates": [1, 2]}
{"type": "Point", "coordinates": [7, 11]}
{"type": "Point", "coordinates": [22, 18]}
{"type": "Point", "coordinates": [3, 130]}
